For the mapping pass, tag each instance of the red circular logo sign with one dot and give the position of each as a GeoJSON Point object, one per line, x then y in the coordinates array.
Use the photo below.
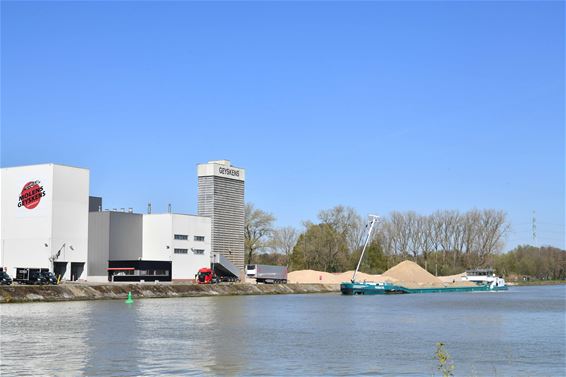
{"type": "Point", "coordinates": [31, 195]}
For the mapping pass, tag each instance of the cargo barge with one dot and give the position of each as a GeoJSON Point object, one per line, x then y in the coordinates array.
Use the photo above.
{"type": "Point", "coordinates": [355, 288]}
{"type": "Point", "coordinates": [483, 280]}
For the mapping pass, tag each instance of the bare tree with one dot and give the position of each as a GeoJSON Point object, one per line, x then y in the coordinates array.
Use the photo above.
{"type": "Point", "coordinates": [471, 233]}
{"type": "Point", "coordinates": [284, 240]}
{"type": "Point", "coordinates": [257, 230]}
{"type": "Point", "coordinates": [400, 234]}
{"type": "Point", "coordinates": [429, 244]}
{"type": "Point", "coordinates": [468, 239]}
{"type": "Point", "coordinates": [493, 229]}
{"type": "Point", "coordinates": [412, 224]}
{"type": "Point", "coordinates": [448, 221]}
{"type": "Point", "coordinates": [346, 222]}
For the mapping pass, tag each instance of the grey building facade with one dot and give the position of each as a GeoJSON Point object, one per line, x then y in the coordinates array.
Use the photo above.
{"type": "Point", "coordinates": [112, 236]}
{"type": "Point", "coordinates": [94, 203]}
{"type": "Point", "coordinates": [221, 197]}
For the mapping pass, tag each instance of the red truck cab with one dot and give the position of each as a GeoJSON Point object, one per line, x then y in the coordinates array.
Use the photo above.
{"type": "Point", "coordinates": [206, 276]}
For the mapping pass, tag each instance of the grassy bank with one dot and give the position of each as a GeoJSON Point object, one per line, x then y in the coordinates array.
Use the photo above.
{"type": "Point", "coordinates": [75, 292]}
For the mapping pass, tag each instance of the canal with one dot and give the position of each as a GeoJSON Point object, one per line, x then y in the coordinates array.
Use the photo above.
{"type": "Point", "coordinates": [519, 332]}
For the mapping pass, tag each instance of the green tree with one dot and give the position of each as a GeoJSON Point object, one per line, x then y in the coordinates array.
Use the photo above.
{"type": "Point", "coordinates": [320, 247]}
{"type": "Point", "coordinates": [374, 262]}
{"type": "Point", "coordinates": [534, 262]}
{"type": "Point", "coordinates": [297, 258]}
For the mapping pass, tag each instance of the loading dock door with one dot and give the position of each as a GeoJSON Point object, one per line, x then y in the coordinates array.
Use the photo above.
{"type": "Point", "coordinates": [76, 270]}
{"type": "Point", "coordinates": [59, 268]}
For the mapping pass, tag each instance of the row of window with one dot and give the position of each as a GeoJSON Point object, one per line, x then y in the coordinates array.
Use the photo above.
{"type": "Point", "coordinates": [143, 273]}
{"type": "Point", "coordinates": [186, 251]}
{"type": "Point", "coordinates": [185, 237]}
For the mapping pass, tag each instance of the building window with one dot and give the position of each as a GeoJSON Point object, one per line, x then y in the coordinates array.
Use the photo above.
{"type": "Point", "coordinates": [199, 238]}
{"type": "Point", "coordinates": [198, 251]}
{"type": "Point", "coordinates": [181, 237]}
{"type": "Point", "coordinates": [181, 251]}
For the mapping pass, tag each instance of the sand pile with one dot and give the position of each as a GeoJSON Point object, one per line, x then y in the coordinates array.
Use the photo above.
{"type": "Point", "coordinates": [362, 276]}
{"type": "Point", "coordinates": [453, 278]}
{"type": "Point", "coordinates": [407, 273]}
{"type": "Point", "coordinates": [410, 274]}
{"type": "Point", "coordinates": [314, 277]}
{"type": "Point", "coordinates": [311, 277]}
{"type": "Point", "coordinates": [456, 280]}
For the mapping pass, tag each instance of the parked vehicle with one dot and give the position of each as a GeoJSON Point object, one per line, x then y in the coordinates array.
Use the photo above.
{"type": "Point", "coordinates": [5, 279]}
{"type": "Point", "coordinates": [45, 278]}
{"type": "Point", "coordinates": [263, 273]}
{"type": "Point", "coordinates": [224, 269]}
{"type": "Point", "coordinates": [36, 276]}
{"type": "Point", "coordinates": [206, 276]}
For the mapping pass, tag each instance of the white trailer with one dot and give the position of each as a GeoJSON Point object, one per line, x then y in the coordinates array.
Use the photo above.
{"type": "Point", "coordinates": [263, 273]}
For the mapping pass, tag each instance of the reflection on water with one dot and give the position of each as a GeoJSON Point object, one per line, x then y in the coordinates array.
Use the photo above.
{"type": "Point", "coordinates": [520, 332]}
{"type": "Point", "coordinates": [229, 345]}
{"type": "Point", "coordinates": [43, 339]}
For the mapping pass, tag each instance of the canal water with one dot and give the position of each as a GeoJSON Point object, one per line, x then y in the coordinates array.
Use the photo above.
{"type": "Point", "coordinates": [520, 332]}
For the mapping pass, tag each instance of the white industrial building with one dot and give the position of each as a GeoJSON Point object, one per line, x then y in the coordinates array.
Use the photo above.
{"type": "Point", "coordinates": [44, 219]}
{"type": "Point", "coordinates": [48, 221]}
{"type": "Point", "coordinates": [182, 239]}
{"type": "Point", "coordinates": [130, 238]}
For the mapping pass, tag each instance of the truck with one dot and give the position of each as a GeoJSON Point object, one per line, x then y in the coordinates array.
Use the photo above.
{"type": "Point", "coordinates": [223, 268]}
{"type": "Point", "coordinates": [205, 275]}
{"type": "Point", "coordinates": [268, 274]}
{"type": "Point", "coordinates": [220, 270]}
{"type": "Point", "coordinates": [35, 276]}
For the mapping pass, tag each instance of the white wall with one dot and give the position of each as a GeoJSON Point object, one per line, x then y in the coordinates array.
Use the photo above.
{"type": "Point", "coordinates": [158, 234]}
{"type": "Point", "coordinates": [157, 237]}
{"type": "Point", "coordinates": [70, 215]}
{"type": "Point", "coordinates": [26, 232]}
{"type": "Point", "coordinates": [186, 266]}
{"type": "Point", "coordinates": [30, 236]}
{"type": "Point", "coordinates": [221, 168]}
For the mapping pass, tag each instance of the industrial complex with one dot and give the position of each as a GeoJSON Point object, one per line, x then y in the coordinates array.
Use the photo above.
{"type": "Point", "coordinates": [49, 222]}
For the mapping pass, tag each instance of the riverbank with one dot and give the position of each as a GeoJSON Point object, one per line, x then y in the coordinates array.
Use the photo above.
{"type": "Point", "coordinates": [537, 282]}
{"type": "Point", "coordinates": [85, 291]}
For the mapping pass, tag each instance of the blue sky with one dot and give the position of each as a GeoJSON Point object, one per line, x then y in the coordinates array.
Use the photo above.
{"type": "Point", "coordinates": [378, 105]}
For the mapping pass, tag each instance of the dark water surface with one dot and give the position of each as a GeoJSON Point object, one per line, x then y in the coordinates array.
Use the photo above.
{"type": "Point", "coordinates": [516, 333]}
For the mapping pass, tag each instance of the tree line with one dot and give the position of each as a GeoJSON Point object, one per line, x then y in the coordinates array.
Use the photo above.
{"type": "Point", "coordinates": [543, 263]}
{"type": "Point", "coordinates": [444, 242]}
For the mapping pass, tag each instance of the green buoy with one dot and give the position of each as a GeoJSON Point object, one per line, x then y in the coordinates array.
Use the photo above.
{"type": "Point", "coordinates": [129, 300]}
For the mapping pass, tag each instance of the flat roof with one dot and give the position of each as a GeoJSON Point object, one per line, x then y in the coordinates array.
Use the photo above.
{"type": "Point", "coordinates": [47, 163]}
{"type": "Point", "coordinates": [116, 211]}
{"type": "Point", "coordinates": [174, 213]}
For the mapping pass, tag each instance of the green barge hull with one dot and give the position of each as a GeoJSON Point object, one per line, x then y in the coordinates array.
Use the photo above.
{"type": "Point", "coordinates": [354, 288]}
